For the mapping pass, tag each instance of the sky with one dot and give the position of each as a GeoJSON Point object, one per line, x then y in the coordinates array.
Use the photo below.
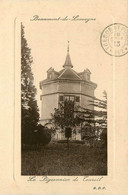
{"type": "Point", "coordinates": [48, 42]}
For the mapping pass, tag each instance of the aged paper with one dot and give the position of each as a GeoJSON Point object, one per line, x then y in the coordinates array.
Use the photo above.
{"type": "Point", "coordinates": [95, 34]}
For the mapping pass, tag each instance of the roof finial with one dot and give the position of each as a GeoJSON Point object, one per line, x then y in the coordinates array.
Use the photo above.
{"type": "Point", "coordinates": [68, 63]}
{"type": "Point", "coordinates": [68, 47]}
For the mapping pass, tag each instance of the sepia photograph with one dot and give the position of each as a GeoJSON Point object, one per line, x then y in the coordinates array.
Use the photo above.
{"type": "Point", "coordinates": [64, 91]}
{"type": "Point", "coordinates": [63, 101]}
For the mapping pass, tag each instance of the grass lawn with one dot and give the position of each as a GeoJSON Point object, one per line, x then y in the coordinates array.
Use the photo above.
{"type": "Point", "coordinates": [55, 160]}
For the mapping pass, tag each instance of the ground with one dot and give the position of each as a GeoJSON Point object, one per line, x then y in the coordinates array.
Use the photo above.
{"type": "Point", "coordinates": [56, 159]}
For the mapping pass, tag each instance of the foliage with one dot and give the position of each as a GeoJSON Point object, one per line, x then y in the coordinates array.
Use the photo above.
{"type": "Point", "coordinates": [103, 136]}
{"type": "Point", "coordinates": [97, 119]}
{"type": "Point", "coordinates": [29, 109]}
{"type": "Point", "coordinates": [44, 135]}
{"type": "Point", "coordinates": [101, 117]}
{"type": "Point", "coordinates": [65, 115]}
{"type": "Point", "coordinates": [93, 123]}
{"type": "Point", "coordinates": [41, 136]}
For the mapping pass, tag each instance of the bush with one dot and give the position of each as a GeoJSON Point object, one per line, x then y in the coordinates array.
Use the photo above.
{"type": "Point", "coordinates": [40, 136]}
{"type": "Point", "coordinates": [29, 137]}
{"type": "Point", "coordinates": [103, 137]}
{"type": "Point", "coordinates": [44, 135]}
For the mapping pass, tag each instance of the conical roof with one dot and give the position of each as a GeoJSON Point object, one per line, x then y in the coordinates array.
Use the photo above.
{"type": "Point", "coordinates": [68, 63]}
{"type": "Point", "coordinates": [69, 74]}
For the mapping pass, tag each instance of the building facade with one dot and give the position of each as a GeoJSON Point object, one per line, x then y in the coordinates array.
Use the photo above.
{"type": "Point", "coordinates": [66, 84]}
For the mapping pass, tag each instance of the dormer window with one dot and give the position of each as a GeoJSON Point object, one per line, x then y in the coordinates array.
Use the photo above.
{"type": "Point", "coordinates": [88, 77]}
{"type": "Point", "coordinates": [87, 74]}
{"type": "Point", "coordinates": [50, 76]}
{"type": "Point", "coordinates": [50, 73]}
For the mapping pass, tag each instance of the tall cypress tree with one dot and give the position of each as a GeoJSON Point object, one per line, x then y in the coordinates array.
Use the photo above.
{"type": "Point", "coordinates": [29, 108]}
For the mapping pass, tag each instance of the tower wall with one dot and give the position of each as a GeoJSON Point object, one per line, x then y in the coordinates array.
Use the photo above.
{"type": "Point", "coordinates": [52, 91]}
{"type": "Point", "coordinates": [87, 89]}
{"type": "Point", "coordinates": [48, 104]}
{"type": "Point", "coordinates": [49, 88]}
{"type": "Point", "coordinates": [85, 102]}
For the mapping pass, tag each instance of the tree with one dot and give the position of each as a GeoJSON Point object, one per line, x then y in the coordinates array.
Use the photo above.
{"type": "Point", "coordinates": [92, 122]}
{"type": "Point", "coordinates": [64, 116]}
{"type": "Point", "coordinates": [100, 114]}
{"type": "Point", "coordinates": [29, 108]}
{"type": "Point", "coordinates": [44, 135]}
{"type": "Point", "coordinates": [97, 118]}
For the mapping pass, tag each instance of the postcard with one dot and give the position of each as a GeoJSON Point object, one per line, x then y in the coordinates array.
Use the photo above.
{"type": "Point", "coordinates": [67, 94]}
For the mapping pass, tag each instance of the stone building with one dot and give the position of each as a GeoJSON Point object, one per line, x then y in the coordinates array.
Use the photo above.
{"type": "Point", "coordinates": [67, 84]}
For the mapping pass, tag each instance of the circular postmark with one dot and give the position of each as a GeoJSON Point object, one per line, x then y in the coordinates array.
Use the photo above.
{"type": "Point", "coordinates": [114, 39]}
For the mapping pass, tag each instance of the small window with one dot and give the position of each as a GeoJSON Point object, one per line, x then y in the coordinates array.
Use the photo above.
{"type": "Point", "coordinates": [88, 77]}
{"type": "Point", "coordinates": [67, 98]}
{"type": "Point", "coordinates": [77, 99]}
{"type": "Point", "coordinates": [72, 98]}
{"type": "Point", "coordinates": [61, 98]}
{"type": "Point", "coordinates": [50, 76]}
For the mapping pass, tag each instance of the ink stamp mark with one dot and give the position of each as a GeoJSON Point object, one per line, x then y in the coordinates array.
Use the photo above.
{"type": "Point", "coordinates": [114, 39]}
